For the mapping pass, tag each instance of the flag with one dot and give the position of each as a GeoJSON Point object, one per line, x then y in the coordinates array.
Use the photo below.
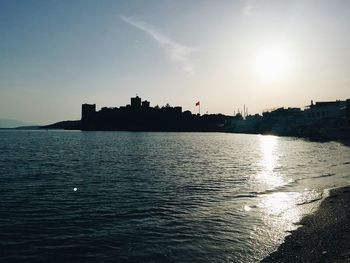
{"type": "Point", "coordinates": [198, 103]}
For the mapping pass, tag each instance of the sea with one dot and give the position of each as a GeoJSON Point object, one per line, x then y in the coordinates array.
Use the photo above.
{"type": "Point", "coordinates": [72, 196]}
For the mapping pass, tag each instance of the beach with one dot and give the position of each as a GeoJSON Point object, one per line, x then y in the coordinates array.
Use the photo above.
{"type": "Point", "coordinates": [324, 236]}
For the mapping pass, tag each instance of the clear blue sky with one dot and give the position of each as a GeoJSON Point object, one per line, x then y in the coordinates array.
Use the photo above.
{"type": "Point", "coordinates": [56, 55]}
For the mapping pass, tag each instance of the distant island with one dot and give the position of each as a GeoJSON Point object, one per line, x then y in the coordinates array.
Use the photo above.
{"type": "Point", "coordinates": [321, 120]}
{"type": "Point", "coordinates": [11, 123]}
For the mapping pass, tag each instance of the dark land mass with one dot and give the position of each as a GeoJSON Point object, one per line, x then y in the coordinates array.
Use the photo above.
{"type": "Point", "coordinates": [322, 121]}
{"type": "Point", "coordinates": [65, 125]}
{"type": "Point", "coordinates": [323, 237]}
{"type": "Point", "coordinates": [23, 128]}
{"type": "Point", "coordinates": [140, 116]}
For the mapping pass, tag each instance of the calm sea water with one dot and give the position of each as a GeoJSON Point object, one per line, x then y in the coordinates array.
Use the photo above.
{"type": "Point", "coordinates": [157, 197]}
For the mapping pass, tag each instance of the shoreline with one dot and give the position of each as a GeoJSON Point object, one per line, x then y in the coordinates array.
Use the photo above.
{"type": "Point", "coordinates": [324, 236]}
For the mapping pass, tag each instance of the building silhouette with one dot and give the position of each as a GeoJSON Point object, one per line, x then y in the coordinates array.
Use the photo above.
{"type": "Point", "coordinates": [140, 116]}
{"type": "Point", "coordinates": [325, 120]}
{"type": "Point", "coordinates": [324, 110]}
{"type": "Point", "coordinates": [135, 102]}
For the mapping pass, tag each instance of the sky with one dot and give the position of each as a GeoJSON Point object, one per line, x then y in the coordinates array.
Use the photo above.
{"type": "Point", "coordinates": [56, 55]}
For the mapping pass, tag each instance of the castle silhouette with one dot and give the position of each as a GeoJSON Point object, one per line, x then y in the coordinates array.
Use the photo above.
{"type": "Point", "coordinates": [328, 120]}
{"type": "Point", "coordinates": [140, 116]}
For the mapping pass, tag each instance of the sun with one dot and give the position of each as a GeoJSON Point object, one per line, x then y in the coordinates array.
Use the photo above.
{"type": "Point", "coordinates": [273, 63]}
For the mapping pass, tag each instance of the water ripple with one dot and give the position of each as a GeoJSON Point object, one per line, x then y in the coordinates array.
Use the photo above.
{"type": "Point", "coordinates": [156, 197]}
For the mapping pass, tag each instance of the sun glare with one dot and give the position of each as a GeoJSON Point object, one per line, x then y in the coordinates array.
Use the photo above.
{"type": "Point", "coordinates": [273, 63]}
{"type": "Point", "coordinates": [269, 162]}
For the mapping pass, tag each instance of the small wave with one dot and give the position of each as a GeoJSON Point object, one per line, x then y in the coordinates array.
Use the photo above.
{"type": "Point", "coordinates": [283, 188]}
{"type": "Point", "coordinates": [311, 201]}
{"type": "Point", "coordinates": [249, 195]}
{"type": "Point", "coordinates": [324, 175]}
{"type": "Point", "coordinates": [339, 164]}
{"type": "Point", "coordinates": [314, 177]}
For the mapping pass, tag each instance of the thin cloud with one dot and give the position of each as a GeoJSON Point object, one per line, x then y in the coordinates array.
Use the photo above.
{"type": "Point", "coordinates": [177, 52]}
{"type": "Point", "coordinates": [248, 8]}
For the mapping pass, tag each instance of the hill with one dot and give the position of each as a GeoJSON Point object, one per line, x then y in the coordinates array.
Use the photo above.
{"type": "Point", "coordinates": [65, 125]}
{"type": "Point", "coordinates": [11, 123]}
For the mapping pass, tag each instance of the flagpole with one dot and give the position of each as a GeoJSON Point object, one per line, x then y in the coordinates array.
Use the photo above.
{"type": "Point", "coordinates": [199, 107]}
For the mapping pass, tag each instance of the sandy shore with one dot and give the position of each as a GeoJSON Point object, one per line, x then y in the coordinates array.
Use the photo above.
{"type": "Point", "coordinates": [324, 235]}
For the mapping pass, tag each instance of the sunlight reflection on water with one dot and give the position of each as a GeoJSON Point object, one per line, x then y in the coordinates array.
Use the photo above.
{"type": "Point", "coordinates": [269, 162]}
{"type": "Point", "coordinates": [279, 210]}
{"type": "Point", "coordinates": [174, 197]}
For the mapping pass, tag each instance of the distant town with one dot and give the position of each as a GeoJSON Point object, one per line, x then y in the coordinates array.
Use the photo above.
{"type": "Point", "coordinates": [326, 120]}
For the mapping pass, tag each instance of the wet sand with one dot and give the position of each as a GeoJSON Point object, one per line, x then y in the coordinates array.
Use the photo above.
{"type": "Point", "coordinates": [323, 237]}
